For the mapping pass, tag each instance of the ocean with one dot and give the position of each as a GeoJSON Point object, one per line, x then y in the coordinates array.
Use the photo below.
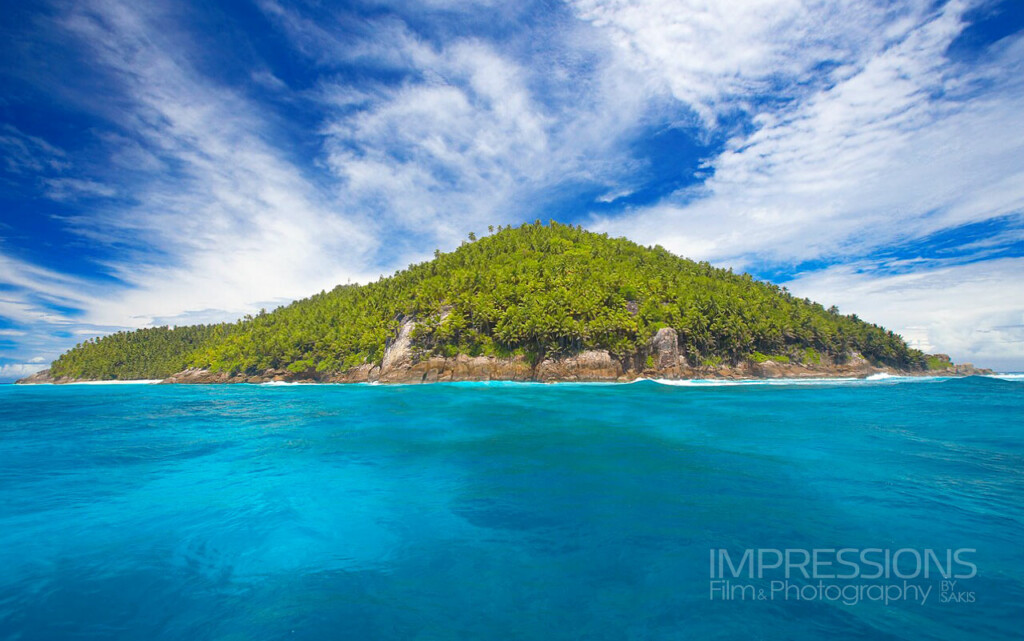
{"type": "Point", "coordinates": [514, 511]}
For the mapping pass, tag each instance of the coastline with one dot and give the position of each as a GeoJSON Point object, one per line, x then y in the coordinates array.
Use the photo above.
{"type": "Point", "coordinates": [591, 368]}
{"type": "Point", "coordinates": [405, 363]}
{"type": "Point", "coordinates": [882, 378]}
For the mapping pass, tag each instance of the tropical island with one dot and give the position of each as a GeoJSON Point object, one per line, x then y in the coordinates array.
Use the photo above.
{"type": "Point", "coordinates": [531, 303]}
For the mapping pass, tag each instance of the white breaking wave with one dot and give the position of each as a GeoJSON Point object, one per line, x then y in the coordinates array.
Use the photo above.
{"type": "Point", "coordinates": [701, 382]}
{"type": "Point", "coordinates": [1008, 377]}
{"type": "Point", "coordinates": [301, 383]}
{"type": "Point", "coordinates": [873, 379]}
{"type": "Point", "coordinates": [141, 381]}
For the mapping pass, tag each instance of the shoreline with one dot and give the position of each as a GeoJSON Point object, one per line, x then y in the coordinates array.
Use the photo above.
{"type": "Point", "coordinates": [691, 383]}
{"type": "Point", "coordinates": [447, 374]}
{"type": "Point", "coordinates": [404, 363]}
{"type": "Point", "coordinates": [880, 377]}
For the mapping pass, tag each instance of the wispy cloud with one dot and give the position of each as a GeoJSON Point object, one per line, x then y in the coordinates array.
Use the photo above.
{"type": "Point", "coordinates": [234, 219]}
{"type": "Point", "coordinates": [973, 311]}
{"type": "Point", "coordinates": [24, 153]}
{"type": "Point", "coordinates": [863, 162]}
{"type": "Point", "coordinates": [13, 371]}
{"type": "Point", "coordinates": [720, 57]}
{"type": "Point", "coordinates": [32, 293]}
{"type": "Point", "coordinates": [448, 150]}
{"type": "Point", "coordinates": [73, 188]}
{"type": "Point", "coordinates": [469, 135]}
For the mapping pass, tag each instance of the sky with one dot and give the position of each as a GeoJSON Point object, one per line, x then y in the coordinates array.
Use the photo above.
{"type": "Point", "coordinates": [174, 162]}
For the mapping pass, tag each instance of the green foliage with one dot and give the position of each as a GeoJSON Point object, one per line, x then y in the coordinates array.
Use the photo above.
{"type": "Point", "coordinates": [758, 357]}
{"type": "Point", "coordinates": [300, 366]}
{"type": "Point", "coordinates": [535, 290]}
{"type": "Point", "coordinates": [811, 356]}
{"type": "Point", "coordinates": [155, 352]}
{"type": "Point", "coordinates": [936, 363]}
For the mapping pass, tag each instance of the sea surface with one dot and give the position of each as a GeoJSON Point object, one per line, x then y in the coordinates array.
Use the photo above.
{"type": "Point", "coordinates": [503, 511]}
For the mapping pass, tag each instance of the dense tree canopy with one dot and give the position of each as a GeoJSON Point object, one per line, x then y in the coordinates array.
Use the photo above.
{"type": "Point", "coordinates": [536, 290]}
{"type": "Point", "coordinates": [155, 352]}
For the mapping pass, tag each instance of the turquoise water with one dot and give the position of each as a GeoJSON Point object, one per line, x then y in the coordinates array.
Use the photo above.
{"type": "Point", "coordinates": [503, 511]}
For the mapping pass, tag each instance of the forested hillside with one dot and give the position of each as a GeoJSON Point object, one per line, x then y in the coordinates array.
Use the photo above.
{"type": "Point", "coordinates": [155, 352]}
{"type": "Point", "coordinates": [538, 290]}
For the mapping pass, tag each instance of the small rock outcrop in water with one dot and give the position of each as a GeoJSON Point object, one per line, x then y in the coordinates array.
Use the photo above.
{"type": "Point", "coordinates": [968, 369]}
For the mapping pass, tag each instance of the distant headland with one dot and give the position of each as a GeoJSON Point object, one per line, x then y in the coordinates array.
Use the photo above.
{"type": "Point", "coordinates": [530, 303]}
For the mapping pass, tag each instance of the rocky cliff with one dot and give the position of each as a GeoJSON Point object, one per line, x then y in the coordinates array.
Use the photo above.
{"type": "Point", "coordinates": [404, 364]}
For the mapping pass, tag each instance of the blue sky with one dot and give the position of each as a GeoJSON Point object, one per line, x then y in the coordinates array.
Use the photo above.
{"type": "Point", "coordinates": [178, 162]}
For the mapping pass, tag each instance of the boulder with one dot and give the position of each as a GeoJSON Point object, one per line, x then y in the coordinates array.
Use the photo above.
{"type": "Point", "coordinates": [197, 376]}
{"type": "Point", "coordinates": [425, 371]}
{"type": "Point", "coordinates": [664, 347]}
{"type": "Point", "coordinates": [968, 369]}
{"type": "Point", "coordinates": [486, 368]}
{"type": "Point", "coordinates": [591, 365]}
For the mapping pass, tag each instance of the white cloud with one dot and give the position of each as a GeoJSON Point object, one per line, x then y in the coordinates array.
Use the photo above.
{"type": "Point", "coordinates": [449, 150]}
{"type": "Point", "coordinates": [31, 291]}
{"type": "Point", "coordinates": [37, 301]}
{"type": "Point", "coordinates": [23, 153]}
{"type": "Point", "coordinates": [71, 188]}
{"type": "Point", "coordinates": [240, 221]}
{"type": "Point", "coordinates": [268, 80]}
{"type": "Point", "coordinates": [901, 146]}
{"type": "Point", "coordinates": [974, 312]}
{"type": "Point", "coordinates": [717, 56]}
{"type": "Point", "coordinates": [9, 371]}
{"type": "Point", "coordinates": [612, 196]}
{"type": "Point", "coordinates": [474, 134]}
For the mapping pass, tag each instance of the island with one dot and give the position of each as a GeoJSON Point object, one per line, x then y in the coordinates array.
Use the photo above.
{"type": "Point", "coordinates": [538, 302]}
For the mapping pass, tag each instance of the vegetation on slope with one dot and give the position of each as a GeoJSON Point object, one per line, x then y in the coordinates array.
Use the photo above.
{"type": "Point", "coordinates": [155, 352]}
{"type": "Point", "coordinates": [535, 290]}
